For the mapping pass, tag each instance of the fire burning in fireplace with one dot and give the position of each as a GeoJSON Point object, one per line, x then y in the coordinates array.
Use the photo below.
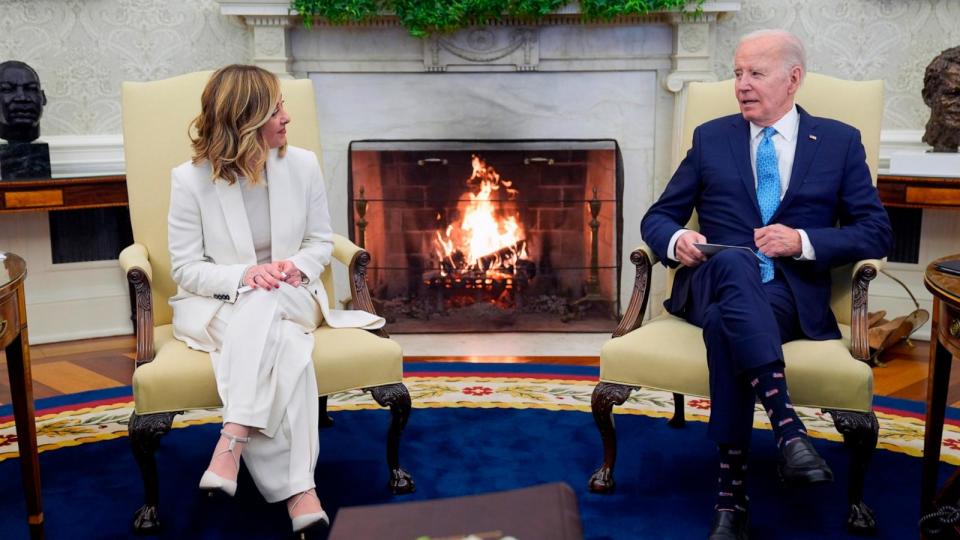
{"type": "Point", "coordinates": [486, 247]}
{"type": "Point", "coordinates": [481, 236]}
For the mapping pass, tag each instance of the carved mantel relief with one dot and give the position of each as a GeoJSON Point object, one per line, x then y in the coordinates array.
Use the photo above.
{"type": "Point", "coordinates": [507, 45]}
{"type": "Point", "coordinates": [512, 47]}
{"type": "Point", "coordinates": [692, 50]}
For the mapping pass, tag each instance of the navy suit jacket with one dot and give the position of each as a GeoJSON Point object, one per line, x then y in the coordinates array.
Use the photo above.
{"type": "Point", "coordinates": [831, 196]}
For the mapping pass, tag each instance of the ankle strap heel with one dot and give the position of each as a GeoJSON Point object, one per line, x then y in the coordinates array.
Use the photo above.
{"type": "Point", "coordinates": [210, 481]}
{"type": "Point", "coordinates": [230, 448]}
{"type": "Point", "coordinates": [308, 522]}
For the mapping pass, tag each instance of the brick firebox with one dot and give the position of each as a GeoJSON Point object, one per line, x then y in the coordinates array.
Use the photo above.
{"type": "Point", "coordinates": [562, 193]}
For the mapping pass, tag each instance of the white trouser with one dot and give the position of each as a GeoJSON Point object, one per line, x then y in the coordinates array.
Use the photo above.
{"type": "Point", "coordinates": [266, 380]}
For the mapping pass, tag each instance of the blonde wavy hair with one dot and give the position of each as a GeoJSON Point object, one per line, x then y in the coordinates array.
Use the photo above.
{"type": "Point", "coordinates": [237, 101]}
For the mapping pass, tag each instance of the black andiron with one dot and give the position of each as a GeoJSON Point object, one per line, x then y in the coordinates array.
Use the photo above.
{"type": "Point", "coordinates": [360, 203]}
{"type": "Point", "coordinates": [592, 294]}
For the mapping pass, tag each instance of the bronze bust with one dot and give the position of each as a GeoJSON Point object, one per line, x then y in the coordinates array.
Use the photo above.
{"type": "Point", "coordinates": [21, 102]}
{"type": "Point", "coordinates": [941, 92]}
{"type": "Point", "coordinates": [21, 105]}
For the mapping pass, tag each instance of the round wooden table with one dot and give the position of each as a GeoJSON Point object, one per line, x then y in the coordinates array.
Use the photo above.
{"type": "Point", "coordinates": [13, 339]}
{"type": "Point", "coordinates": [944, 345]}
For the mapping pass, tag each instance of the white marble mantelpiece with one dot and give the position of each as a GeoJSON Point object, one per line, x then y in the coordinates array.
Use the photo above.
{"type": "Point", "coordinates": [275, 25]}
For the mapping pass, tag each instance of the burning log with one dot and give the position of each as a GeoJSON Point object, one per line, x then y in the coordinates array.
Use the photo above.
{"type": "Point", "coordinates": [488, 261]}
{"type": "Point", "coordinates": [456, 263]}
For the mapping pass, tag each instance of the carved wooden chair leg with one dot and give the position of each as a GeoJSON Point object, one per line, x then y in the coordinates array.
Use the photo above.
{"type": "Point", "coordinates": [678, 420]}
{"type": "Point", "coordinates": [860, 431]}
{"type": "Point", "coordinates": [605, 396]}
{"type": "Point", "coordinates": [397, 398]}
{"type": "Point", "coordinates": [145, 432]}
{"type": "Point", "coordinates": [325, 419]}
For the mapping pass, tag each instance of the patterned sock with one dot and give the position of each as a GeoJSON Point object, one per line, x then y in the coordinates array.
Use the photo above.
{"type": "Point", "coordinates": [732, 494]}
{"type": "Point", "coordinates": [770, 385]}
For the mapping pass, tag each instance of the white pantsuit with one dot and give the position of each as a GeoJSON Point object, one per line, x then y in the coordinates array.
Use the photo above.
{"type": "Point", "coordinates": [260, 342]}
{"type": "Point", "coordinates": [266, 381]}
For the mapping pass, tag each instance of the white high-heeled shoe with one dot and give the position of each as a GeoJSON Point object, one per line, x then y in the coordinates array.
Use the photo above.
{"type": "Point", "coordinates": [211, 481]}
{"type": "Point", "coordinates": [302, 523]}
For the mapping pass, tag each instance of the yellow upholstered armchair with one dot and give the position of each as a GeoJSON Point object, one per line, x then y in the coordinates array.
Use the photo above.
{"type": "Point", "coordinates": [171, 378]}
{"type": "Point", "coordinates": [667, 353]}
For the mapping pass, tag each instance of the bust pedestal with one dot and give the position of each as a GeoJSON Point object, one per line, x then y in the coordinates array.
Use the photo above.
{"type": "Point", "coordinates": [24, 161]}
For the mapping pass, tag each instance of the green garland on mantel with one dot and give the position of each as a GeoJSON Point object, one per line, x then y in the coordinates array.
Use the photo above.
{"type": "Point", "coordinates": [425, 17]}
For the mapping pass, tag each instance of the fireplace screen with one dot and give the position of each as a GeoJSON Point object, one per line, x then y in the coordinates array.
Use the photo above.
{"type": "Point", "coordinates": [490, 235]}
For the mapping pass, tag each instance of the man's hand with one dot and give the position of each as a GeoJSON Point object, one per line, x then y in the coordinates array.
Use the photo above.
{"type": "Point", "coordinates": [777, 241]}
{"type": "Point", "coordinates": [686, 253]}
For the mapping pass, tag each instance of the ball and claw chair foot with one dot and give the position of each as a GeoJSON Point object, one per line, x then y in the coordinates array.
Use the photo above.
{"type": "Point", "coordinates": [397, 397]}
{"type": "Point", "coordinates": [401, 483]}
{"type": "Point", "coordinates": [605, 397]}
{"type": "Point", "coordinates": [145, 432]}
{"type": "Point", "coordinates": [860, 434]}
{"type": "Point", "coordinates": [861, 521]}
{"type": "Point", "coordinates": [602, 481]}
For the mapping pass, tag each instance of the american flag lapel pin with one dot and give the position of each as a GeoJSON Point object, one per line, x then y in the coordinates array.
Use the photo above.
{"type": "Point", "coordinates": [812, 137]}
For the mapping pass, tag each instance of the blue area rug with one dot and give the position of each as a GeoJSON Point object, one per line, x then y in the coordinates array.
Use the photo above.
{"type": "Point", "coordinates": [665, 477]}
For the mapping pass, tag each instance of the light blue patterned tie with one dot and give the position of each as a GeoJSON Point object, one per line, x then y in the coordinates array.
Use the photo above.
{"type": "Point", "coordinates": [768, 192]}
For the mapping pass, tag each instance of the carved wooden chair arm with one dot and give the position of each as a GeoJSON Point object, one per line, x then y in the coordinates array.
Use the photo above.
{"type": "Point", "coordinates": [863, 273]}
{"type": "Point", "coordinates": [644, 259]}
{"type": "Point", "coordinates": [135, 261]}
{"type": "Point", "coordinates": [356, 260]}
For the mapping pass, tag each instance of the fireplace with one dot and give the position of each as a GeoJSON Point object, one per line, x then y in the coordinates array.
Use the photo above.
{"type": "Point", "coordinates": [490, 235]}
{"type": "Point", "coordinates": [569, 78]}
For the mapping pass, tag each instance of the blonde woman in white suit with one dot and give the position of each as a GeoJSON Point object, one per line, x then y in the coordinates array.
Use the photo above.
{"type": "Point", "coordinates": [249, 235]}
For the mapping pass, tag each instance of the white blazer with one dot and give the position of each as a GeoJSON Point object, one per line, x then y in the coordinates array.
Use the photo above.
{"type": "Point", "coordinates": [211, 244]}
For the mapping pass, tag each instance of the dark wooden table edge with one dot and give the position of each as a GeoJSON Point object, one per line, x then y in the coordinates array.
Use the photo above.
{"type": "Point", "coordinates": [941, 362]}
{"type": "Point", "coordinates": [111, 197]}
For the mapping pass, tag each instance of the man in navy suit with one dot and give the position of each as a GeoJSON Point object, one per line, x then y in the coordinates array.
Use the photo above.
{"type": "Point", "coordinates": [796, 190]}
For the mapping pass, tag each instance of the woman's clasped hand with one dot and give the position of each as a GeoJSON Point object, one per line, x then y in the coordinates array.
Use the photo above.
{"type": "Point", "coordinates": [270, 275]}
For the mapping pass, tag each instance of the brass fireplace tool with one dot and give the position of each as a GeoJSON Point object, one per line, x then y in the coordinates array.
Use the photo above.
{"type": "Point", "coordinates": [592, 293]}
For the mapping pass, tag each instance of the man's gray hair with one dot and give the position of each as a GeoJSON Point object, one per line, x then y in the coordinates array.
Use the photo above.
{"type": "Point", "coordinates": [791, 51]}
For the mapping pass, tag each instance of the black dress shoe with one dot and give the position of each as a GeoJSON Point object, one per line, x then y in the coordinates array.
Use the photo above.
{"type": "Point", "coordinates": [730, 526]}
{"type": "Point", "coordinates": [802, 465]}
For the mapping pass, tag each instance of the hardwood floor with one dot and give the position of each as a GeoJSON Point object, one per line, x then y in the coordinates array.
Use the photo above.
{"type": "Point", "coordinates": [91, 364]}
{"type": "Point", "coordinates": [76, 366]}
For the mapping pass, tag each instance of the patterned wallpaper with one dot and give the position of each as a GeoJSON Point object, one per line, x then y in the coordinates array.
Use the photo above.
{"type": "Point", "coordinates": [84, 49]}
{"type": "Point", "coordinates": [893, 40]}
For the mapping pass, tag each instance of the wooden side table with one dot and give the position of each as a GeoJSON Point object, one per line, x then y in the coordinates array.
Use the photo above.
{"type": "Point", "coordinates": [62, 194]}
{"type": "Point", "coordinates": [919, 191]}
{"type": "Point", "coordinates": [945, 337]}
{"type": "Point", "coordinates": [13, 339]}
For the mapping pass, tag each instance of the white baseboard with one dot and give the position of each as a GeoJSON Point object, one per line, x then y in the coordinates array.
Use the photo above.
{"type": "Point", "coordinates": [80, 318]}
{"type": "Point", "coordinates": [82, 333]}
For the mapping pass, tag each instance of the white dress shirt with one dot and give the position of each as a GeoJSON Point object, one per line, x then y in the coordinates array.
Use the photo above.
{"type": "Point", "coordinates": [785, 145]}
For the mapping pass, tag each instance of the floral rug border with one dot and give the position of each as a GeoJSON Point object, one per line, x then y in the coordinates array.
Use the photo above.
{"type": "Point", "coordinates": [66, 428]}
